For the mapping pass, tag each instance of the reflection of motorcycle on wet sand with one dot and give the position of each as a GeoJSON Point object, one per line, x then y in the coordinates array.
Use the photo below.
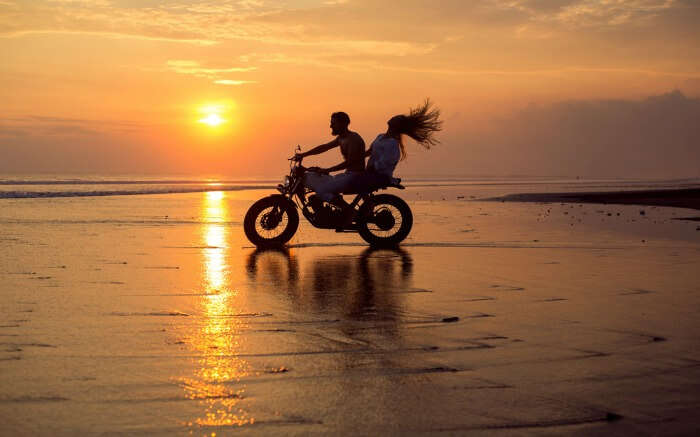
{"type": "Point", "coordinates": [368, 285]}
{"type": "Point", "coordinates": [380, 219]}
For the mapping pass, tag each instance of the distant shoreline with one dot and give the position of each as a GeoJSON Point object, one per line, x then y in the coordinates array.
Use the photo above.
{"type": "Point", "coordinates": [677, 198]}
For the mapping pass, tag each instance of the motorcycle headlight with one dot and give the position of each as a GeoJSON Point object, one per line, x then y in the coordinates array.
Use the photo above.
{"type": "Point", "coordinates": [285, 182]}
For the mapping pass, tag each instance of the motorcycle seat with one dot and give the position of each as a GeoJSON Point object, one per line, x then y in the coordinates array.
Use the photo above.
{"type": "Point", "coordinates": [395, 183]}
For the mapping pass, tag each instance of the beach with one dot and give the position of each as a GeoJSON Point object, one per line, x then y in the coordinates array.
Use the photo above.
{"type": "Point", "coordinates": [151, 314]}
{"type": "Point", "coordinates": [688, 198]}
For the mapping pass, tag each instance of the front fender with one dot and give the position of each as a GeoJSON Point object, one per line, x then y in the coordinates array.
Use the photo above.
{"type": "Point", "coordinates": [282, 199]}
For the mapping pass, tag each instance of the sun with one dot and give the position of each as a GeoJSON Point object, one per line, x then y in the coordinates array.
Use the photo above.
{"type": "Point", "coordinates": [214, 114]}
{"type": "Point", "coordinates": [212, 119]}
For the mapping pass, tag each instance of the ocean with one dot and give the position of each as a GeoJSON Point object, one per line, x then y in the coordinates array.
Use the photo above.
{"type": "Point", "coordinates": [50, 186]}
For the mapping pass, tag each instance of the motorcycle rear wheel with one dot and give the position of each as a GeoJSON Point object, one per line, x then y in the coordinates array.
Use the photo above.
{"type": "Point", "coordinates": [271, 221]}
{"type": "Point", "coordinates": [384, 220]}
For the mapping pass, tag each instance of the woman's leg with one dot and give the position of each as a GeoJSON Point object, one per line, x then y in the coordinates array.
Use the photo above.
{"type": "Point", "coordinates": [370, 181]}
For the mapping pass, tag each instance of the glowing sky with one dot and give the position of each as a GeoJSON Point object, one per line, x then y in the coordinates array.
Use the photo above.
{"type": "Point", "coordinates": [541, 87]}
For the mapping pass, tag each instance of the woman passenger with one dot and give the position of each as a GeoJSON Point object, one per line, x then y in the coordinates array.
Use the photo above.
{"type": "Point", "coordinates": [388, 148]}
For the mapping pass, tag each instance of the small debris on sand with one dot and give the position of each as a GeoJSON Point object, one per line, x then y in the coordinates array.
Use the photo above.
{"type": "Point", "coordinates": [276, 370]}
{"type": "Point", "coordinates": [612, 417]}
{"type": "Point", "coordinates": [450, 319]}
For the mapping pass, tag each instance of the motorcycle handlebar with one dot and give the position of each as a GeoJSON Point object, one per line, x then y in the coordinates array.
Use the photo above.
{"type": "Point", "coordinates": [296, 156]}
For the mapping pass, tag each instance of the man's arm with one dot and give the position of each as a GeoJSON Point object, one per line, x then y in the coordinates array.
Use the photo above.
{"type": "Point", "coordinates": [337, 167]}
{"type": "Point", "coordinates": [356, 152]}
{"type": "Point", "coordinates": [319, 149]}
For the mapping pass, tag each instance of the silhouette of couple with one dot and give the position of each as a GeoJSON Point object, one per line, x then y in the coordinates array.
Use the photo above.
{"type": "Point", "coordinates": [384, 154]}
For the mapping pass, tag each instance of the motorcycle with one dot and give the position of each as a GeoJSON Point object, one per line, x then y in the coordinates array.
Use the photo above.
{"type": "Point", "coordinates": [382, 220]}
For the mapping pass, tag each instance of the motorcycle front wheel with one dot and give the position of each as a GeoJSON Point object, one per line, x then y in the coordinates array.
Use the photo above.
{"type": "Point", "coordinates": [384, 220]}
{"type": "Point", "coordinates": [271, 221]}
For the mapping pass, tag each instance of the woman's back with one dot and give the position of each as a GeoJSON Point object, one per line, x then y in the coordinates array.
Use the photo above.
{"type": "Point", "coordinates": [385, 155]}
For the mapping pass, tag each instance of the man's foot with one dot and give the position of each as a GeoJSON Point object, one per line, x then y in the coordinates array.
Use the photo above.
{"type": "Point", "coordinates": [346, 220]}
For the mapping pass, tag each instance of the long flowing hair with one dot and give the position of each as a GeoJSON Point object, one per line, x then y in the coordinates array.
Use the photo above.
{"type": "Point", "coordinates": [421, 124]}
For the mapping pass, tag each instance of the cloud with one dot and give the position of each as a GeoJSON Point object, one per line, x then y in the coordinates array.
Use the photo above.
{"type": "Point", "coordinates": [233, 82]}
{"type": "Point", "coordinates": [392, 33]}
{"type": "Point", "coordinates": [61, 127]}
{"type": "Point", "coordinates": [280, 21]}
{"type": "Point", "coordinates": [600, 13]}
{"type": "Point", "coordinates": [37, 143]}
{"type": "Point", "coordinates": [103, 34]}
{"type": "Point", "coordinates": [194, 68]}
{"type": "Point", "coordinates": [353, 63]}
{"type": "Point", "coordinates": [216, 75]}
{"type": "Point", "coordinates": [655, 137]}
{"type": "Point", "coordinates": [186, 22]}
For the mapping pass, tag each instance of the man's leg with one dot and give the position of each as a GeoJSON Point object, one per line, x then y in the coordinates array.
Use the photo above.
{"type": "Point", "coordinates": [321, 184]}
{"type": "Point", "coordinates": [341, 183]}
{"type": "Point", "coordinates": [329, 187]}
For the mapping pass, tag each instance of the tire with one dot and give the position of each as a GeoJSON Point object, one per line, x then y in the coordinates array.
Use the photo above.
{"type": "Point", "coordinates": [374, 216]}
{"type": "Point", "coordinates": [264, 228]}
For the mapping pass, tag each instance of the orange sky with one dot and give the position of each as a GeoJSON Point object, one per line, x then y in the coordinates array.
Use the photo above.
{"type": "Point", "coordinates": [538, 87]}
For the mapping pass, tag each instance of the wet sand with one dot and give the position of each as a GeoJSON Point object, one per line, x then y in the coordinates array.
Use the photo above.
{"type": "Point", "coordinates": [678, 198]}
{"type": "Point", "coordinates": [152, 315]}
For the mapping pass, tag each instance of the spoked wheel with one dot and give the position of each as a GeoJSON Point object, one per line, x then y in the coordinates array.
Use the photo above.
{"type": "Point", "coordinates": [385, 220]}
{"type": "Point", "coordinates": [271, 221]}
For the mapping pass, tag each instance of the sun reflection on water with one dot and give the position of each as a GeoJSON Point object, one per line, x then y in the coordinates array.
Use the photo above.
{"type": "Point", "coordinates": [217, 339]}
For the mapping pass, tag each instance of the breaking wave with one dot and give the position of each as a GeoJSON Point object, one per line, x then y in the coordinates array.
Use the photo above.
{"type": "Point", "coordinates": [29, 194]}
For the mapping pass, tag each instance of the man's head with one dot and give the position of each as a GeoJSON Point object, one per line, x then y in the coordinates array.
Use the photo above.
{"type": "Point", "coordinates": [339, 123]}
